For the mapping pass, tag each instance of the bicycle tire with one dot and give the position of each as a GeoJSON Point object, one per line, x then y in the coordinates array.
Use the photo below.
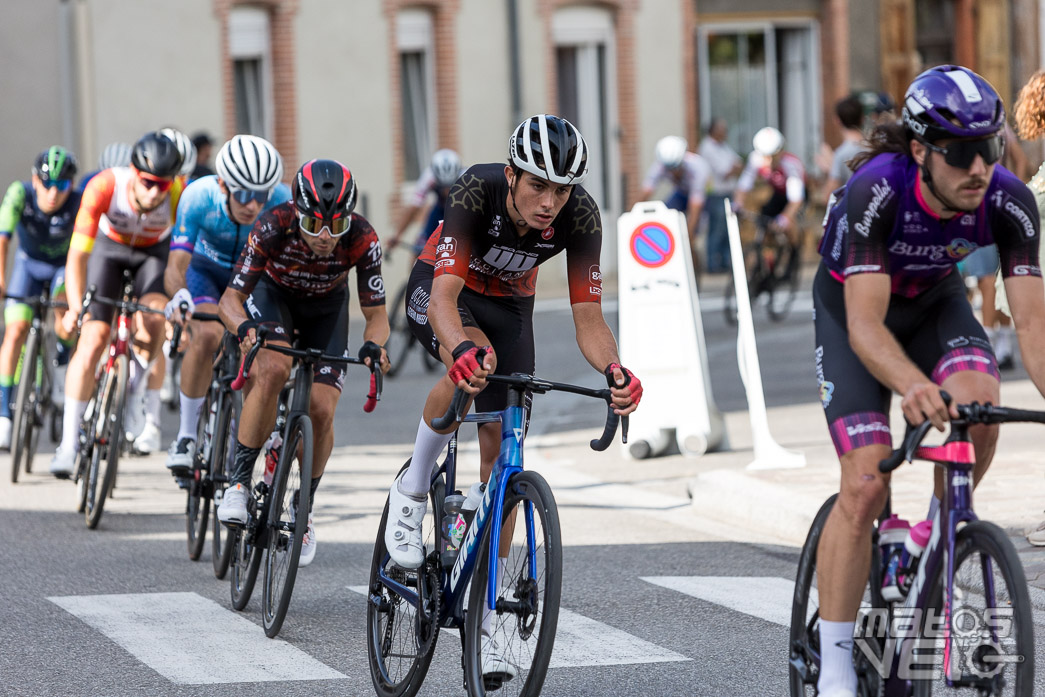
{"type": "Point", "coordinates": [108, 436]}
{"type": "Point", "coordinates": [782, 285]}
{"type": "Point", "coordinates": [804, 637]}
{"type": "Point", "coordinates": [985, 538]}
{"type": "Point", "coordinates": [173, 402]}
{"type": "Point", "coordinates": [246, 557]}
{"type": "Point", "coordinates": [288, 522]}
{"type": "Point", "coordinates": [386, 649]}
{"type": "Point", "coordinates": [197, 504]}
{"type": "Point", "coordinates": [400, 337]}
{"type": "Point", "coordinates": [25, 411]}
{"type": "Point", "coordinates": [533, 600]}
{"type": "Point", "coordinates": [221, 456]}
{"type": "Point", "coordinates": [82, 460]}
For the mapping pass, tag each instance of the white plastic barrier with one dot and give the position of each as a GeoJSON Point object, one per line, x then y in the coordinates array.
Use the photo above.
{"type": "Point", "coordinates": [661, 335]}
{"type": "Point", "coordinates": [768, 453]}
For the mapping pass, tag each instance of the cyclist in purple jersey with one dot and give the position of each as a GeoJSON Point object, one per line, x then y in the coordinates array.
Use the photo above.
{"type": "Point", "coordinates": [891, 314]}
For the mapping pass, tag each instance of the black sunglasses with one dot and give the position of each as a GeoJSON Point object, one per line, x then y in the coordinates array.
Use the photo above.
{"type": "Point", "coordinates": [962, 153]}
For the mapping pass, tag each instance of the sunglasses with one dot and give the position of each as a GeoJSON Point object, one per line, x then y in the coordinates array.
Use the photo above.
{"type": "Point", "coordinates": [61, 184]}
{"type": "Point", "coordinates": [154, 183]}
{"type": "Point", "coordinates": [962, 153]}
{"type": "Point", "coordinates": [245, 196]}
{"type": "Point", "coordinates": [315, 226]}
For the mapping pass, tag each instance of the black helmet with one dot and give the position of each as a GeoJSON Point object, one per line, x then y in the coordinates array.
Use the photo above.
{"type": "Point", "coordinates": [55, 163]}
{"type": "Point", "coordinates": [324, 189]}
{"type": "Point", "coordinates": [156, 154]}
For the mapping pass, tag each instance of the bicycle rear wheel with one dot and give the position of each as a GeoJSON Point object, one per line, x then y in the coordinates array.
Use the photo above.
{"type": "Point", "coordinates": [221, 454]}
{"type": "Point", "coordinates": [22, 442]}
{"type": "Point", "coordinates": [527, 607]}
{"type": "Point", "coordinates": [993, 639]}
{"type": "Point", "coordinates": [199, 491]}
{"type": "Point", "coordinates": [402, 631]}
{"type": "Point", "coordinates": [105, 454]}
{"type": "Point", "coordinates": [288, 521]}
{"type": "Point", "coordinates": [400, 337]}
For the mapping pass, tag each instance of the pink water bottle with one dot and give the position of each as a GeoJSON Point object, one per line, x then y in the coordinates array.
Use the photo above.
{"type": "Point", "coordinates": [272, 455]}
{"type": "Point", "coordinates": [891, 536]}
{"type": "Point", "coordinates": [913, 546]}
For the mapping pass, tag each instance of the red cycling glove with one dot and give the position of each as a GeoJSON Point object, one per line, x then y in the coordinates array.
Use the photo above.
{"type": "Point", "coordinates": [630, 381]}
{"type": "Point", "coordinates": [466, 362]}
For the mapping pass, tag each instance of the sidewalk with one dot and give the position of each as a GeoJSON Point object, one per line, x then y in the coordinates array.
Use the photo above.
{"type": "Point", "coordinates": [781, 503]}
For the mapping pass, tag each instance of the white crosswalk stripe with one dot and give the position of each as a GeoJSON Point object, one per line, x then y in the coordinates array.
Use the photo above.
{"type": "Point", "coordinates": [193, 641]}
{"type": "Point", "coordinates": [766, 597]}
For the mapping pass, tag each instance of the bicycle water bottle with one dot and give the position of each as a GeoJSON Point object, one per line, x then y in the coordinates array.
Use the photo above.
{"type": "Point", "coordinates": [913, 546]}
{"type": "Point", "coordinates": [891, 536]}
{"type": "Point", "coordinates": [272, 455]}
{"type": "Point", "coordinates": [453, 528]}
{"type": "Point", "coordinates": [471, 502]}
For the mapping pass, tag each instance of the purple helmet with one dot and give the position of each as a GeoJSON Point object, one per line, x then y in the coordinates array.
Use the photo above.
{"type": "Point", "coordinates": [950, 101]}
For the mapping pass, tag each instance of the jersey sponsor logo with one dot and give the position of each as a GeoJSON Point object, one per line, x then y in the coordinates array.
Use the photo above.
{"type": "Point", "coordinates": [495, 227]}
{"type": "Point", "coordinates": [911, 216]}
{"type": "Point", "coordinates": [595, 279]}
{"type": "Point", "coordinates": [863, 268]}
{"type": "Point", "coordinates": [882, 193]}
{"type": "Point", "coordinates": [827, 389]}
{"type": "Point", "coordinates": [419, 299]}
{"type": "Point", "coordinates": [1026, 270]}
{"type": "Point", "coordinates": [1030, 231]}
{"type": "Point", "coordinates": [841, 231]}
{"type": "Point", "coordinates": [547, 233]}
{"type": "Point", "coordinates": [511, 260]}
{"type": "Point", "coordinates": [967, 219]}
{"type": "Point", "coordinates": [543, 245]}
{"type": "Point", "coordinates": [374, 252]}
{"type": "Point", "coordinates": [445, 252]}
{"type": "Point", "coordinates": [957, 249]}
{"type": "Point", "coordinates": [859, 429]}
{"type": "Point", "coordinates": [376, 284]}
{"type": "Point", "coordinates": [914, 229]}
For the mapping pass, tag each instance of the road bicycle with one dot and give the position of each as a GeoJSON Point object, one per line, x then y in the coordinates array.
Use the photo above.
{"type": "Point", "coordinates": [101, 434]}
{"type": "Point", "coordinates": [278, 507]}
{"type": "Point", "coordinates": [401, 339]}
{"type": "Point", "coordinates": [773, 266]}
{"type": "Point", "coordinates": [215, 446]}
{"type": "Point", "coordinates": [407, 608]}
{"type": "Point", "coordinates": [966, 621]}
{"type": "Point", "coordinates": [33, 407]}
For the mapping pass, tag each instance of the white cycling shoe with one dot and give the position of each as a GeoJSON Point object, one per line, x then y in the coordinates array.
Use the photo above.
{"type": "Point", "coordinates": [308, 545]}
{"type": "Point", "coordinates": [496, 666]}
{"type": "Point", "coordinates": [63, 463]}
{"type": "Point", "coordinates": [148, 441]}
{"type": "Point", "coordinates": [6, 426]}
{"type": "Point", "coordinates": [403, 529]}
{"type": "Point", "coordinates": [233, 508]}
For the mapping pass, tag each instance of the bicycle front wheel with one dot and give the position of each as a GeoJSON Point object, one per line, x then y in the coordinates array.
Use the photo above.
{"type": "Point", "coordinates": [22, 444]}
{"type": "Point", "coordinates": [991, 620]}
{"type": "Point", "coordinates": [288, 521]}
{"type": "Point", "coordinates": [199, 493]}
{"type": "Point", "coordinates": [105, 454]}
{"type": "Point", "coordinates": [515, 639]}
{"type": "Point", "coordinates": [222, 453]}
{"type": "Point", "coordinates": [400, 337]}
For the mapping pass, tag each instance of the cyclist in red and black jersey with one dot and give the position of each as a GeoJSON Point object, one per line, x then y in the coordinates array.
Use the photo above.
{"type": "Point", "coordinates": [473, 286]}
{"type": "Point", "coordinates": [292, 275]}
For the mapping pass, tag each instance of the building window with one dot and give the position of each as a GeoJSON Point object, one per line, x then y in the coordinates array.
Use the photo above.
{"type": "Point", "coordinates": [415, 41]}
{"type": "Point", "coordinates": [251, 54]}
{"type": "Point", "coordinates": [934, 32]}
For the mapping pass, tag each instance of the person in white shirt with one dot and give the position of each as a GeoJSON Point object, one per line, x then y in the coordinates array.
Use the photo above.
{"type": "Point", "coordinates": [725, 165]}
{"type": "Point", "coordinates": [687, 173]}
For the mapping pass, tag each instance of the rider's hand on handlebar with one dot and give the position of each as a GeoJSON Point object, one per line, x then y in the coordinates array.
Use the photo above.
{"type": "Point", "coordinates": [625, 388]}
{"type": "Point", "coordinates": [466, 372]}
{"type": "Point", "coordinates": [369, 351]}
{"type": "Point", "coordinates": [923, 401]}
{"type": "Point", "coordinates": [69, 320]}
{"type": "Point", "coordinates": [173, 308]}
{"type": "Point", "coordinates": [247, 333]}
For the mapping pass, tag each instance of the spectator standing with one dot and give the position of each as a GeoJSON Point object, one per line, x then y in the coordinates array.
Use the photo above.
{"type": "Point", "coordinates": [204, 147]}
{"type": "Point", "coordinates": [725, 165]}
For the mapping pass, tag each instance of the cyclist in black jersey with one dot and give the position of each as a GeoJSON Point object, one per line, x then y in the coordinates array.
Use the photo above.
{"type": "Point", "coordinates": [891, 314]}
{"type": "Point", "coordinates": [473, 287]}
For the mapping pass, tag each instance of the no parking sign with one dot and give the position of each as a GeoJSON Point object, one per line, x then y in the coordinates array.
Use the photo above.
{"type": "Point", "coordinates": [661, 335]}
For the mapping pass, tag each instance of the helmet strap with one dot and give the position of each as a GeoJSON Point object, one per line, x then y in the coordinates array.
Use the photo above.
{"type": "Point", "coordinates": [928, 179]}
{"type": "Point", "coordinates": [511, 193]}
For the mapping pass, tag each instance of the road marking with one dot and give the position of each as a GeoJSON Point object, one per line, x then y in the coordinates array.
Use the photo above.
{"type": "Point", "coordinates": [581, 642]}
{"type": "Point", "coordinates": [765, 597]}
{"type": "Point", "coordinates": [191, 640]}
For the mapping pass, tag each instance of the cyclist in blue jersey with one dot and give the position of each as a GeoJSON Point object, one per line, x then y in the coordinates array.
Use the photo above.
{"type": "Point", "coordinates": [42, 211]}
{"type": "Point", "coordinates": [437, 179]}
{"type": "Point", "coordinates": [891, 313]}
{"type": "Point", "coordinates": [215, 216]}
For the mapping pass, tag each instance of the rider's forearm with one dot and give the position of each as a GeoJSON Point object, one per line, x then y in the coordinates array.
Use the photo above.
{"type": "Point", "coordinates": [377, 329]}
{"type": "Point", "coordinates": [174, 274]}
{"type": "Point", "coordinates": [75, 277]}
{"type": "Point", "coordinates": [442, 311]}
{"type": "Point", "coordinates": [230, 309]}
{"type": "Point", "coordinates": [594, 337]}
{"type": "Point", "coordinates": [882, 355]}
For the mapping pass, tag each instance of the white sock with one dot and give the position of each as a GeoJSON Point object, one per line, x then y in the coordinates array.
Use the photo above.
{"type": "Point", "coordinates": [190, 414]}
{"type": "Point", "coordinates": [152, 407]}
{"type": "Point", "coordinates": [418, 477]}
{"type": "Point", "coordinates": [488, 614]}
{"type": "Point", "coordinates": [74, 410]}
{"type": "Point", "coordinates": [836, 657]}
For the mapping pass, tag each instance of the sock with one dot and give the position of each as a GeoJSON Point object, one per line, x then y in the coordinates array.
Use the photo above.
{"type": "Point", "coordinates": [190, 414]}
{"type": "Point", "coordinates": [418, 477]}
{"type": "Point", "coordinates": [152, 407]}
{"type": "Point", "coordinates": [312, 492]}
{"type": "Point", "coordinates": [6, 383]}
{"type": "Point", "coordinates": [243, 466]}
{"type": "Point", "coordinates": [74, 410]}
{"type": "Point", "coordinates": [836, 657]}
{"type": "Point", "coordinates": [488, 615]}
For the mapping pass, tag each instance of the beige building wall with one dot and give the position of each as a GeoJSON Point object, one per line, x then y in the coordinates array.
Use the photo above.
{"type": "Point", "coordinates": [485, 117]}
{"type": "Point", "coordinates": [661, 89]}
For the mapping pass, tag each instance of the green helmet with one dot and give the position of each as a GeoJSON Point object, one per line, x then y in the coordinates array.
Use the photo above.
{"type": "Point", "coordinates": [54, 164]}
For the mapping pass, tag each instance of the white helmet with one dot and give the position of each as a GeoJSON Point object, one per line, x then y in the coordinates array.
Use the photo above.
{"type": "Point", "coordinates": [115, 155]}
{"type": "Point", "coordinates": [249, 162]}
{"type": "Point", "coordinates": [768, 141]}
{"type": "Point", "coordinates": [446, 167]}
{"type": "Point", "coordinates": [185, 147]}
{"type": "Point", "coordinates": [551, 148]}
{"type": "Point", "coordinates": [671, 150]}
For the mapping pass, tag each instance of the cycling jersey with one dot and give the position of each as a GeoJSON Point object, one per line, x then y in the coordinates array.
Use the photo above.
{"type": "Point", "coordinates": [689, 180]}
{"type": "Point", "coordinates": [883, 225]}
{"type": "Point", "coordinates": [786, 179]}
{"type": "Point", "coordinates": [106, 206]}
{"type": "Point", "coordinates": [479, 243]}
{"type": "Point", "coordinates": [41, 236]}
{"type": "Point", "coordinates": [275, 248]}
{"type": "Point", "coordinates": [204, 227]}
{"type": "Point", "coordinates": [426, 185]}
